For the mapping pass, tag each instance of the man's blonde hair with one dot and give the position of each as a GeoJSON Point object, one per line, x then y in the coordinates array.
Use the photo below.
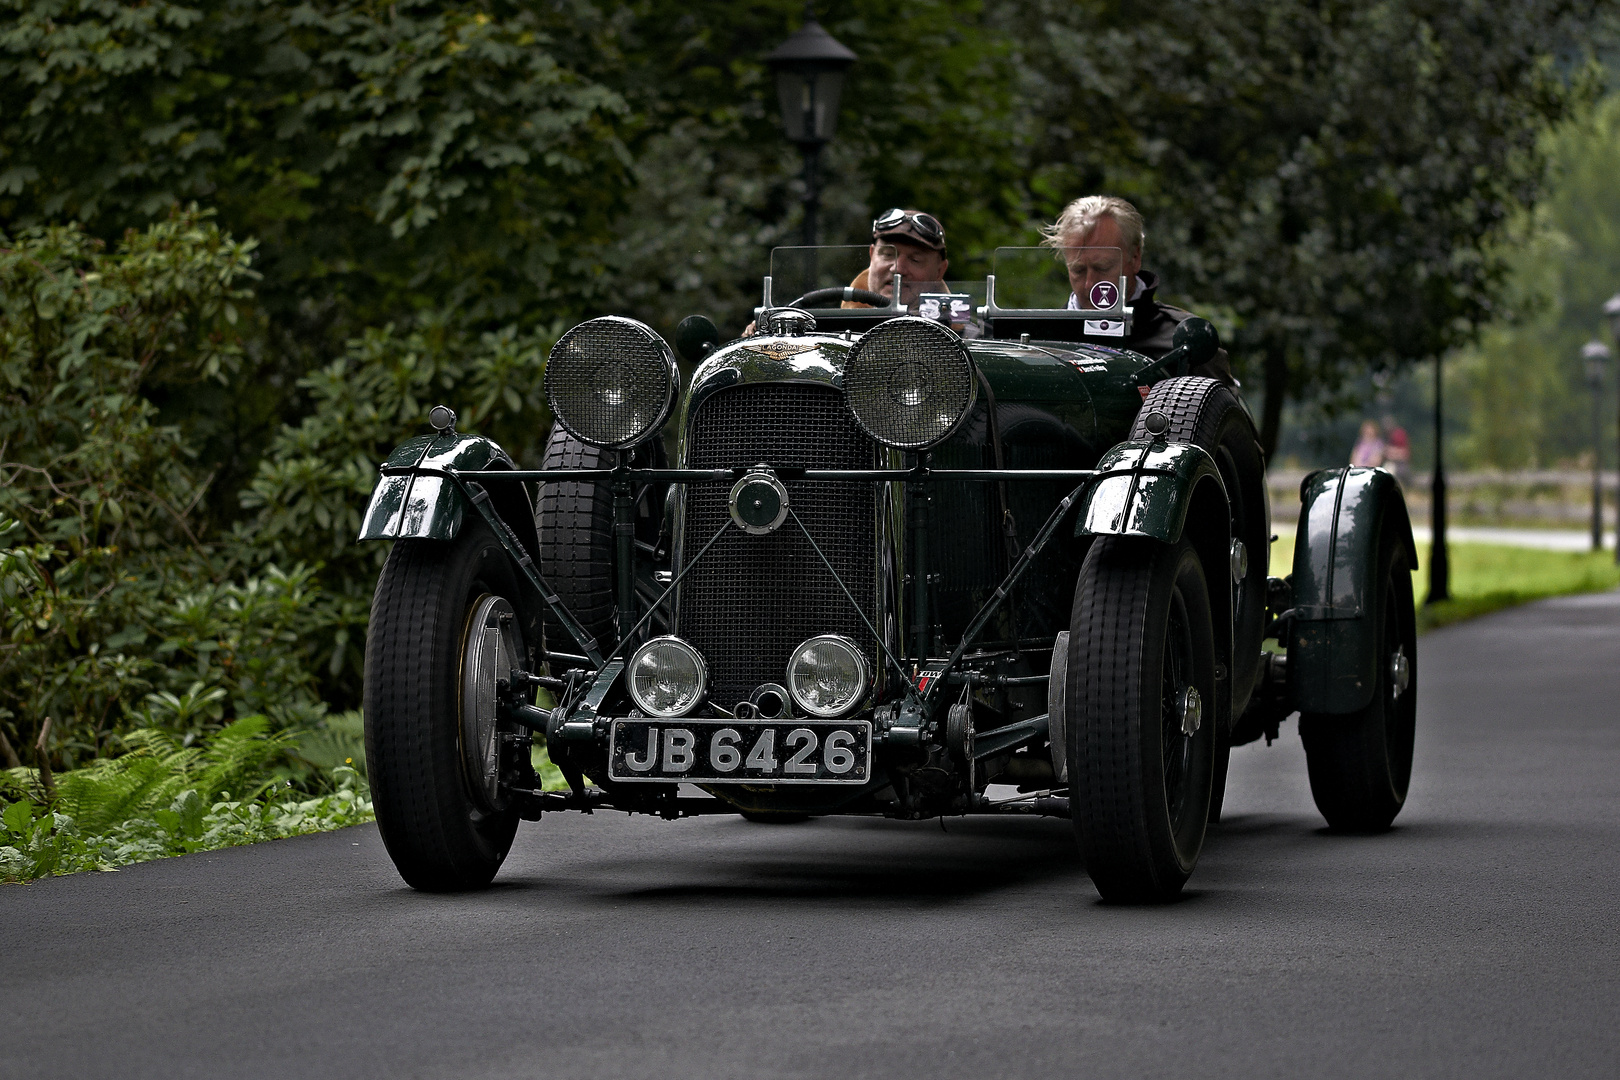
{"type": "Point", "coordinates": [1080, 217]}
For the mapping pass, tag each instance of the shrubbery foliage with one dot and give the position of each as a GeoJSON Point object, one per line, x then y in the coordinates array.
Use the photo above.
{"type": "Point", "coordinates": [124, 607]}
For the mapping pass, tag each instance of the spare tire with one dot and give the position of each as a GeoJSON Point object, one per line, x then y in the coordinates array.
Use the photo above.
{"type": "Point", "coordinates": [575, 522]}
{"type": "Point", "coordinates": [574, 519]}
{"type": "Point", "coordinates": [1207, 413]}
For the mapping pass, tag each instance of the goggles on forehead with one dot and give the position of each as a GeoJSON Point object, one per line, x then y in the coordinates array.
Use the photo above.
{"type": "Point", "coordinates": [926, 225]}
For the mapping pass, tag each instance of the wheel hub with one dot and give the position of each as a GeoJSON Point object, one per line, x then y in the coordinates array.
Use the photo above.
{"type": "Point", "coordinates": [1190, 704]}
{"type": "Point", "coordinates": [1400, 672]}
{"type": "Point", "coordinates": [491, 653]}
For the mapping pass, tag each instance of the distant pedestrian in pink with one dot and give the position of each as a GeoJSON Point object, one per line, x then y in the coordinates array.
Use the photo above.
{"type": "Point", "coordinates": [1397, 449]}
{"type": "Point", "coordinates": [1369, 451]}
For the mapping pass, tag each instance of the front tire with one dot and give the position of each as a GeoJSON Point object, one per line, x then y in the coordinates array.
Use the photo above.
{"type": "Point", "coordinates": [1361, 763]}
{"type": "Point", "coordinates": [433, 749]}
{"type": "Point", "coordinates": [1140, 750]}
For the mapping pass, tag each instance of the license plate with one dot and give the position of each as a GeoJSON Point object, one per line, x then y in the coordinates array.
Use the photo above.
{"type": "Point", "coordinates": [741, 751]}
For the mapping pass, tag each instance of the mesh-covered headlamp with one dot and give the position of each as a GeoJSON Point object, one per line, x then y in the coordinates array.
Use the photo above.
{"type": "Point", "coordinates": [612, 381]}
{"type": "Point", "coordinates": [909, 382]}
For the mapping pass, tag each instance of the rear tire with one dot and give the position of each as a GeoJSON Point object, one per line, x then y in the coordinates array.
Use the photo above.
{"type": "Point", "coordinates": [1139, 784]}
{"type": "Point", "coordinates": [433, 802]}
{"type": "Point", "coordinates": [1361, 763]}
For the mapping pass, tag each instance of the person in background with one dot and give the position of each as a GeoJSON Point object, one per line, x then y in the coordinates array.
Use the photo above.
{"type": "Point", "coordinates": [1397, 449]}
{"type": "Point", "coordinates": [1369, 449]}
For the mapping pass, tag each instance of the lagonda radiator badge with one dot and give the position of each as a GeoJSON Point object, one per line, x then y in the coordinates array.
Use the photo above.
{"type": "Point", "coordinates": [781, 350]}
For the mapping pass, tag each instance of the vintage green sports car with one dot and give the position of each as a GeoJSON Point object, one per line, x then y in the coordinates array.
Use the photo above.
{"type": "Point", "coordinates": [949, 553]}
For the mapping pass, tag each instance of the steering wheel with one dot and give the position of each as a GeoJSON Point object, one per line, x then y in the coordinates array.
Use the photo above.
{"type": "Point", "coordinates": [858, 296]}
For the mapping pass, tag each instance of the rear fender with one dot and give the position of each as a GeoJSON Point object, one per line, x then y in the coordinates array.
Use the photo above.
{"type": "Point", "coordinates": [1332, 642]}
{"type": "Point", "coordinates": [417, 499]}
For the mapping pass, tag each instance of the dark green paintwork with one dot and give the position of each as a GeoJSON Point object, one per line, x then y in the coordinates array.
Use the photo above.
{"type": "Point", "coordinates": [1092, 391]}
{"type": "Point", "coordinates": [1332, 649]}
{"type": "Point", "coordinates": [1146, 490]}
{"type": "Point", "coordinates": [429, 507]}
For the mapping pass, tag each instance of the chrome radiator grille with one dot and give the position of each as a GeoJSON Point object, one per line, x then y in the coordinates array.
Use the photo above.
{"type": "Point", "coordinates": [754, 598]}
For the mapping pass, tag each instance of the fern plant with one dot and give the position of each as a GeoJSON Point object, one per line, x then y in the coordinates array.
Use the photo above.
{"type": "Point", "coordinates": [164, 797]}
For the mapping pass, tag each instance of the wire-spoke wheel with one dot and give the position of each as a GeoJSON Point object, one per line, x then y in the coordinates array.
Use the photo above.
{"type": "Point", "coordinates": [1139, 709]}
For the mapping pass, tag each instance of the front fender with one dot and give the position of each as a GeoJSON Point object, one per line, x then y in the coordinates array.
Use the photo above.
{"type": "Point", "coordinates": [1146, 489]}
{"type": "Point", "coordinates": [417, 499]}
{"type": "Point", "coordinates": [1332, 646]}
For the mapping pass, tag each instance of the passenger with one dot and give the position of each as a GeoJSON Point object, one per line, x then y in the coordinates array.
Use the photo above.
{"type": "Point", "coordinates": [911, 243]}
{"type": "Point", "coordinates": [1106, 221]}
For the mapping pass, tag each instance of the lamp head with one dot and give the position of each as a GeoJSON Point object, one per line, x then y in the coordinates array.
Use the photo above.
{"type": "Point", "coordinates": [1596, 355]}
{"type": "Point", "coordinates": [809, 69]}
{"type": "Point", "coordinates": [1611, 311]}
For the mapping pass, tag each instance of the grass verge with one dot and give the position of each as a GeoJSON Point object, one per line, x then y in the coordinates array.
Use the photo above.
{"type": "Point", "coordinates": [1490, 577]}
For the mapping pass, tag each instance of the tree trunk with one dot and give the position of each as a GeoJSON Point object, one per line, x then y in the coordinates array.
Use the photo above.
{"type": "Point", "coordinates": [1276, 377]}
{"type": "Point", "coordinates": [9, 752]}
{"type": "Point", "coordinates": [43, 747]}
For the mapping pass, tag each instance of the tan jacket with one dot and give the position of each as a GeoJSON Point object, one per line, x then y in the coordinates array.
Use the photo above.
{"type": "Point", "coordinates": [858, 283]}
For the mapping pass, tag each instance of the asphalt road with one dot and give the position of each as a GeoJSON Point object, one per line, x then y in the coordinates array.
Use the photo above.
{"type": "Point", "coordinates": [1479, 938]}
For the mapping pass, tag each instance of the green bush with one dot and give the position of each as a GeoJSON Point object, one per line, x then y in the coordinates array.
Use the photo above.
{"type": "Point", "coordinates": [115, 587]}
{"type": "Point", "coordinates": [306, 499]}
{"type": "Point", "coordinates": [108, 587]}
{"type": "Point", "coordinates": [137, 625]}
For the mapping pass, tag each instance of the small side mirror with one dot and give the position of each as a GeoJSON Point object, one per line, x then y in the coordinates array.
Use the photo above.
{"type": "Point", "coordinates": [695, 338]}
{"type": "Point", "coordinates": [1196, 341]}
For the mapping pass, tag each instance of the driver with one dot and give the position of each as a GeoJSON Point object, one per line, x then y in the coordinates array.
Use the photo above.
{"type": "Point", "coordinates": [1108, 222]}
{"type": "Point", "coordinates": [911, 243]}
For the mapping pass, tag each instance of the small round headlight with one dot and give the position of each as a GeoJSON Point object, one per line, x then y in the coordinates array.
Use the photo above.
{"type": "Point", "coordinates": [909, 382]}
{"type": "Point", "coordinates": [612, 381]}
{"type": "Point", "coordinates": [827, 675]}
{"type": "Point", "coordinates": [667, 677]}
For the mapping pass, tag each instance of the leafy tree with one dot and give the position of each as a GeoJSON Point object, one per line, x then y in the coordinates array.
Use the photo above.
{"type": "Point", "coordinates": [391, 159]}
{"type": "Point", "coordinates": [1330, 176]}
{"type": "Point", "coordinates": [929, 119]}
{"type": "Point", "coordinates": [1523, 385]}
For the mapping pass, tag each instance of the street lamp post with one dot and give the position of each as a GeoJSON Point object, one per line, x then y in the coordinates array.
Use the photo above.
{"type": "Point", "coordinates": [1612, 311]}
{"type": "Point", "coordinates": [1597, 357]}
{"type": "Point", "coordinates": [1439, 554]}
{"type": "Point", "coordinates": [809, 69]}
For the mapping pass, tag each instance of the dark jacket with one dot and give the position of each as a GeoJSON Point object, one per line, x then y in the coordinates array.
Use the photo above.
{"type": "Point", "coordinates": [1153, 326]}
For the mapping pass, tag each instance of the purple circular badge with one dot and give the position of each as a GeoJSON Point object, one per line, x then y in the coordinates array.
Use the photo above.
{"type": "Point", "coordinates": [1104, 294]}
